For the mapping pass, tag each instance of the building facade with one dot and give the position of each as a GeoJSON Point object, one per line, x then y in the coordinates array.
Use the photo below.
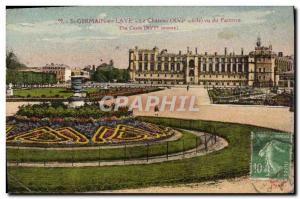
{"type": "Point", "coordinates": [76, 71]}
{"type": "Point", "coordinates": [259, 68]}
{"type": "Point", "coordinates": [62, 72]}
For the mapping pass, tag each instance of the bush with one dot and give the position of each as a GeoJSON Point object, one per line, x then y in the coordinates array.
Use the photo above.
{"type": "Point", "coordinates": [59, 110]}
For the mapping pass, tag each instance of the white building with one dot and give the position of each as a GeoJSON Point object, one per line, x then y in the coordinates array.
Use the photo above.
{"type": "Point", "coordinates": [62, 72]}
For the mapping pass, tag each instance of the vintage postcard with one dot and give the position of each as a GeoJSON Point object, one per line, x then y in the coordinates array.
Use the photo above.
{"type": "Point", "coordinates": [108, 100]}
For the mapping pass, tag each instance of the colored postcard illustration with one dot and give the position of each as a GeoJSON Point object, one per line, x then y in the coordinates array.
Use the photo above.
{"type": "Point", "coordinates": [150, 100]}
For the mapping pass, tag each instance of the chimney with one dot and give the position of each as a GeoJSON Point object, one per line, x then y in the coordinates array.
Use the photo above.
{"type": "Point", "coordinates": [188, 49]}
{"type": "Point", "coordinates": [205, 53]}
{"type": "Point", "coordinates": [225, 51]}
{"type": "Point", "coordinates": [242, 51]}
{"type": "Point", "coordinates": [216, 53]}
{"type": "Point", "coordinates": [280, 54]}
{"type": "Point", "coordinates": [196, 51]}
{"type": "Point", "coordinates": [180, 52]}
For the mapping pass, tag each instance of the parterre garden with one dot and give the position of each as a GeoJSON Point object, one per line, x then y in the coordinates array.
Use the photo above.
{"type": "Point", "coordinates": [232, 161]}
{"type": "Point", "coordinates": [111, 132]}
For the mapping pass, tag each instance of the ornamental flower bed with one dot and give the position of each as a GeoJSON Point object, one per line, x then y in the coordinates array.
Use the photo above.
{"type": "Point", "coordinates": [47, 135]}
{"type": "Point", "coordinates": [81, 134]}
{"type": "Point", "coordinates": [127, 134]}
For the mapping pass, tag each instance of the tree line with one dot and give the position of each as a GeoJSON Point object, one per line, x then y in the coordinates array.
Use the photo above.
{"type": "Point", "coordinates": [15, 76]}
{"type": "Point", "coordinates": [108, 73]}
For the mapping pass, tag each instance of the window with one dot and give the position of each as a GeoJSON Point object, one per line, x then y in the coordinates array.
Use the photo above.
{"type": "Point", "coordinates": [145, 56]}
{"type": "Point", "coordinates": [210, 67]}
{"type": "Point", "coordinates": [217, 67]}
{"type": "Point", "coordinates": [178, 67]}
{"type": "Point", "coordinates": [152, 57]}
{"type": "Point", "coordinates": [223, 67]}
{"type": "Point", "coordinates": [140, 66]}
{"type": "Point", "coordinates": [140, 56]}
{"type": "Point", "coordinates": [204, 67]}
{"type": "Point", "coordinates": [146, 66]}
{"type": "Point", "coordinates": [152, 66]}
{"type": "Point", "coordinates": [172, 67]}
{"type": "Point", "coordinates": [228, 68]}
{"type": "Point", "coordinates": [159, 66]}
{"type": "Point", "coordinates": [246, 68]}
{"type": "Point", "coordinates": [240, 68]}
{"type": "Point", "coordinates": [166, 66]}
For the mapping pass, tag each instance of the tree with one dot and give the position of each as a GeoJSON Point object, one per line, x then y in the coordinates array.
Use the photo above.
{"type": "Point", "coordinates": [12, 61]}
{"type": "Point", "coordinates": [107, 72]}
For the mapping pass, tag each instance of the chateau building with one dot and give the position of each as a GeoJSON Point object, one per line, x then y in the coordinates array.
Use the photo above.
{"type": "Point", "coordinates": [62, 72]}
{"type": "Point", "coordinates": [260, 68]}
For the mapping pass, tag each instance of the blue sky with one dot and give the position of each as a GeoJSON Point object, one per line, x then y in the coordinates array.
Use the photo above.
{"type": "Point", "coordinates": [38, 37]}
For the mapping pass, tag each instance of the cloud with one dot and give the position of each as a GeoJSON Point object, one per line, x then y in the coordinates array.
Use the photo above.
{"type": "Point", "coordinates": [45, 27]}
{"type": "Point", "coordinates": [113, 31]}
{"type": "Point", "coordinates": [227, 35]}
{"type": "Point", "coordinates": [76, 39]}
{"type": "Point", "coordinates": [102, 15]}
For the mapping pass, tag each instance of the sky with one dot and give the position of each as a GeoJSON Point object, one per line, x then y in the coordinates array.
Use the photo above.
{"type": "Point", "coordinates": [58, 35]}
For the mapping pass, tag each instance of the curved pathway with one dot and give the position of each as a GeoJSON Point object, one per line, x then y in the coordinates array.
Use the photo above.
{"type": "Point", "coordinates": [198, 151]}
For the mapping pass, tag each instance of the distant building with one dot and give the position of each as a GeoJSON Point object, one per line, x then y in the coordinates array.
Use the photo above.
{"type": "Point", "coordinates": [30, 69]}
{"type": "Point", "coordinates": [62, 72]}
{"type": "Point", "coordinates": [285, 71]}
{"type": "Point", "coordinates": [258, 68]}
{"type": "Point", "coordinates": [80, 72]}
{"type": "Point", "coordinates": [75, 71]}
{"type": "Point", "coordinates": [90, 68]}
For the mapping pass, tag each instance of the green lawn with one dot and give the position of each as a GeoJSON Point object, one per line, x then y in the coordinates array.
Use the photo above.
{"type": "Point", "coordinates": [232, 161]}
{"type": "Point", "coordinates": [34, 155]}
{"type": "Point", "coordinates": [47, 92]}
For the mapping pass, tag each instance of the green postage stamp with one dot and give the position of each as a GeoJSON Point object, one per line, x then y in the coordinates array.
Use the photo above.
{"type": "Point", "coordinates": [270, 155]}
